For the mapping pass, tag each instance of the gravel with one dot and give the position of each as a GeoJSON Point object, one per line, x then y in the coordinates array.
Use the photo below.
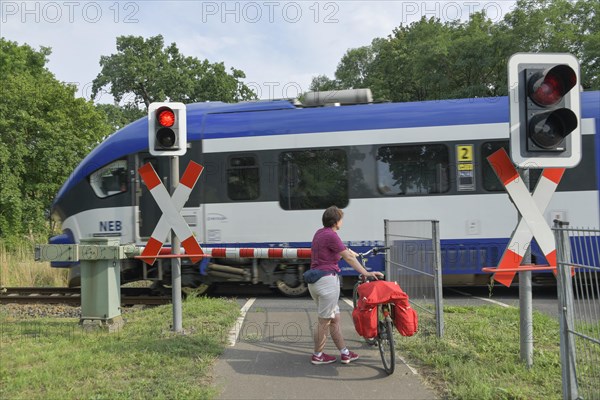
{"type": "Point", "coordinates": [28, 311]}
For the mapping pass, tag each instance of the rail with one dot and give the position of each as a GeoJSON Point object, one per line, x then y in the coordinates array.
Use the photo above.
{"type": "Point", "coordinates": [72, 296]}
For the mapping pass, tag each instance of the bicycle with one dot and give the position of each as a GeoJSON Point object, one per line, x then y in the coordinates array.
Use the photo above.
{"type": "Point", "coordinates": [384, 338]}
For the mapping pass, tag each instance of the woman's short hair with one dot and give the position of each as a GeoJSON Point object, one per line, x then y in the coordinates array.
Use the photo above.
{"type": "Point", "coordinates": [331, 216]}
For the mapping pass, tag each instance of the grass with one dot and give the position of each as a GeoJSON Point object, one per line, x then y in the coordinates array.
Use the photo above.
{"type": "Point", "coordinates": [478, 358]}
{"type": "Point", "coordinates": [51, 358]}
{"type": "Point", "coordinates": [18, 268]}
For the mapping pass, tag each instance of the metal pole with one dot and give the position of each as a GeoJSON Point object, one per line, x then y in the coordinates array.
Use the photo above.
{"type": "Point", "coordinates": [525, 299]}
{"type": "Point", "coordinates": [565, 312]}
{"type": "Point", "coordinates": [437, 267]}
{"type": "Point", "coordinates": [176, 262]}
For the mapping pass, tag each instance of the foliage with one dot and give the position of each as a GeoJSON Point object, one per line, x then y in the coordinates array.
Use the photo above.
{"type": "Point", "coordinates": [18, 268]}
{"type": "Point", "coordinates": [118, 117]}
{"type": "Point", "coordinates": [45, 131]}
{"type": "Point", "coordinates": [144, 71]}
{"type": "Point", "coordinates": [428, 59]}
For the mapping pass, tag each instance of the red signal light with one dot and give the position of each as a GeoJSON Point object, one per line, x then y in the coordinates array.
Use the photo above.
{"type": "Point", "coordinates": [549, 87]}
{"type": "Point", "coordinates": [167, 130]}
{"type": "Point", "coordinates": [166, 117]}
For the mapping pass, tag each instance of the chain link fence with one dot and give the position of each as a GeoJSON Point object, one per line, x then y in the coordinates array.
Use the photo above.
{"type": "Point", "coordinates": [414, 261]}
{"type": "Point", "coordinates": [578, 280]}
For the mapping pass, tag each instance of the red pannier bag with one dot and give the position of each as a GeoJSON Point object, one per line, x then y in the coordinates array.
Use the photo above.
{"type": "Point", "coordinates": [380, 292]}
{"type": "Point", "coordinates": [406, 319]}
{"type": "Point", "coordinates": [365, 320]}
{"type": "Point", "coordinates": [373, 293]}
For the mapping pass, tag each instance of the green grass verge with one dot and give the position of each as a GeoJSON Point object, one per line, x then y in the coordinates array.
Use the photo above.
{"type": "Point", "coordinates": [54, 359]}
{"type": "Point", "coordinates": [478, 358]}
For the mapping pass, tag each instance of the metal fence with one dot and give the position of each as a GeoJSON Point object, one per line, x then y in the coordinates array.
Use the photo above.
{"type": "Point", "coordinates": [414, 261]}
{"type": "Point", "coordinates": [578, 252]}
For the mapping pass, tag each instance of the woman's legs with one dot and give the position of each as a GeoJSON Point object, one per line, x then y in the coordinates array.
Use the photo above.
{"type": "Point", "coordinates": [321, 334]}
{"type": "Point", "coordinates": [334, 327]}
{"type": "Point", "coordinates": [326, 293]}
{"type": "Point", "coordinates": [335, 330]}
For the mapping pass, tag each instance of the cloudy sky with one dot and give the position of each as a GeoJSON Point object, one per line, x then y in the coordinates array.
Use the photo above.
{"type": "Point", "coordinates": [280, 45]}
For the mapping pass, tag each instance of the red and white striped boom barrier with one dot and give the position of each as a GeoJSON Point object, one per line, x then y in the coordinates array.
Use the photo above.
{"type": "Point", "coordinates": [237, 253]}
{"type": "Point", "coordinates": [240, 252]}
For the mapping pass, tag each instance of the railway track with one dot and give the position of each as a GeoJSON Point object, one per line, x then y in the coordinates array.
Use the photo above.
{"type": "Point", "coordinates": [72, 296]}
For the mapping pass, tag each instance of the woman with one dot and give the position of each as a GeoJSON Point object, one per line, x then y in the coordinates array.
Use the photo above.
{"type": "Point", "coordinates": [327, 249]}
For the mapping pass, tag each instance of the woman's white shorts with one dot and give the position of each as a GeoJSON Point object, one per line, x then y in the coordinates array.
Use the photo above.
{"type": "Point", "coordinates": [326, 293]}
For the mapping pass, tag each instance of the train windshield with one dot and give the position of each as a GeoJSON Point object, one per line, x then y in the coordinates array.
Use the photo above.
{"type": "Point", "coordinates": [110, 180]}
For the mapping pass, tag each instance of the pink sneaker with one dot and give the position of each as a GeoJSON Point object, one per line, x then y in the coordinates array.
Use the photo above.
{"type": "Point", "coordinates": [347, 358]}
{"type": "Point", "coordinates": [324, 359]}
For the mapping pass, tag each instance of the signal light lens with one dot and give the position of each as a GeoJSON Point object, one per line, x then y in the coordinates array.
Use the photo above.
{"type": "Point", "coordinates": [166, 117]}
{"type": "Point", "coordinates": [165, 137]}
{"type": "Point", "coordinates": [548, 130]}
{"type": "Point", "coordinates": [548, 88]}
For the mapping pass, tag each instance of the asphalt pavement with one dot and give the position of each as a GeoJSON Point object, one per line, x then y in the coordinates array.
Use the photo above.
{"type": "Point", "coordinates": [269, 358]}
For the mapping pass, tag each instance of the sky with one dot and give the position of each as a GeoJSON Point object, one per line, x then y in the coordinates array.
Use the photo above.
{"type": "Point", "coordinates": [280, 45]}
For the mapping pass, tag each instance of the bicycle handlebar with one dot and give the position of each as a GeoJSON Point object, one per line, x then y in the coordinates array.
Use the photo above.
{"type": "Point", "coordinates": [374, 250]}
{"type": "Point", "coordinates": [364, 279]}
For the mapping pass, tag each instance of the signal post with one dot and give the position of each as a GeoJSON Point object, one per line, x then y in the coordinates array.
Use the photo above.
{"type": "Point", "coordinates": [545, 133]}
{"type": "Point", "coordinates": [167, 136]}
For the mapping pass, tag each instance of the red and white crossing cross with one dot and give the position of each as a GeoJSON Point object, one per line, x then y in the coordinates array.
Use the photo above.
{"type": "Point", "coordinates": [171, 207]}
{"type": "Point", "coordinates": [531, 208]}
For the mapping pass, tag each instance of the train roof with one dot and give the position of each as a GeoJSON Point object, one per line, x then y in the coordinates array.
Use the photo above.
{"type": "Point", "coordinates": [212, 120]}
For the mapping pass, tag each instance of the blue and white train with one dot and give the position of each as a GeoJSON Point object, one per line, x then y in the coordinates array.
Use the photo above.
{"type": "Point", "coordinates": [272, 167]}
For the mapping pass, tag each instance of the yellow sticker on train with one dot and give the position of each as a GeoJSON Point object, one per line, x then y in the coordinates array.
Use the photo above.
{"type": "Point", "coordinates": [464, 153]}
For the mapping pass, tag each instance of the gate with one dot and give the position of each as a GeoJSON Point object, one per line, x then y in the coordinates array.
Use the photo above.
{"type": "Point", "coordinates": [414, 261]}
{"type": "Point", "coordinates": [579, 310]}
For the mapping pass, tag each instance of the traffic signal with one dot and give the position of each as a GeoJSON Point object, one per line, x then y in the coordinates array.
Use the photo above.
{"type": "Point", "coordinates": [167, 131]}
{"type": "Point", "coordinates": [544, 102]}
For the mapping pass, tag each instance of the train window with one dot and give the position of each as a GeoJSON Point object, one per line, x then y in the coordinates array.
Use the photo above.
{"type": "Point", "coordinates": [413, 170]}
{"type": "Point", "coordinates": [242, 178]}
{"type": "Point", "coordinates": [491, 182]}
{"type": "Point", "coordinates": [110, 180]}
{"type": "Point", "coordinates": [313, 179]}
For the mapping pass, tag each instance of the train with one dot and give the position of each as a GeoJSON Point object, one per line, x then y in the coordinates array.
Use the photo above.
{"type": "Point", "coordinates": [272, 166]}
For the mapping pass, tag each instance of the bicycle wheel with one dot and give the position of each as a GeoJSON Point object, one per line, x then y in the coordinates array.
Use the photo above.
{"type": "Point", "coordinates": [385, 340]}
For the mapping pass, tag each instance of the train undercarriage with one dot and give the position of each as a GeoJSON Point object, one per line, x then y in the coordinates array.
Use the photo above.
{"type": "Point", "coordinates": [285, 278]}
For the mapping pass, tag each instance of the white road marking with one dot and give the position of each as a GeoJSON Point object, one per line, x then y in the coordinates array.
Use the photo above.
{"type": "Point", "coordinates": [348, 301]}
{"type": "Point", "coordinates": [414, 371]}
{"type": "Point", "coordinates": [498, 303]}
{"type": "Point", "coordinates": [234, 333]}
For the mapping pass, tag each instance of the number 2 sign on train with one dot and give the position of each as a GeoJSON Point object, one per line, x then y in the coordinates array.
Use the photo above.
{"type": "Point", "coordinates": [272, 167]}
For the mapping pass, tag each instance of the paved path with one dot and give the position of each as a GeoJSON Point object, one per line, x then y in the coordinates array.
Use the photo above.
{"type": "Point", "coordinates": [271, 360]}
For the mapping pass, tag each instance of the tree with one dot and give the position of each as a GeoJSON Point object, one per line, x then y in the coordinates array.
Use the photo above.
{"type": "Point", "coordinates": [118, 117]}
{"type": "Point", "coordinates": [322, 83]}
{"type": "Point", "coordinates": [145, 71]}
{"type": "Point", "coordinates": [45, 131]}
{"type": "Point", "coordinates": [429, 59]}
{"type": "Point", "coordinates": [354, 67]}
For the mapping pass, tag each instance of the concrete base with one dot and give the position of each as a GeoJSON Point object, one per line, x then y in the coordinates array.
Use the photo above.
{"type": "Point", "coordinates": [108, 325]}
